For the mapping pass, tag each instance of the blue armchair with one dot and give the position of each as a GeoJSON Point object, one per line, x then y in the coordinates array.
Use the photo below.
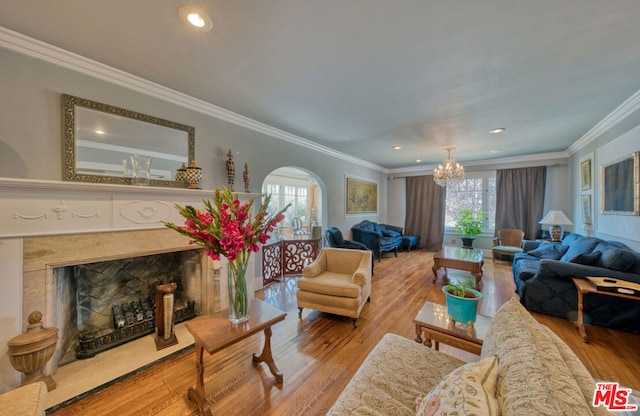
{"type": "Point", "coordinates": [378, 237]}
{"type": "Point", "coordinates": [334, 239]}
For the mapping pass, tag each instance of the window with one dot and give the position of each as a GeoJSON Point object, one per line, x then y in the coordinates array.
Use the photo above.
{"type": "Point", "coordinates": [281, 195]}
{"type": "Point", "coordinates": [476, 192]}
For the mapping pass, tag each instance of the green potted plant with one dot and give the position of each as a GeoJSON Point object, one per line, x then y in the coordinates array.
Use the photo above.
{"type": "Point", "coordinates": [470, 224]}
{"type": "Point", "coordinates": [462, 301]}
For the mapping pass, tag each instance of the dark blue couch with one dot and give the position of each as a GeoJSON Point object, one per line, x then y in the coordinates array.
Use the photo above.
{"type": "Point", "coordinates": [378, 237]}
{"type": "Point", "coordinates": [543, 272]}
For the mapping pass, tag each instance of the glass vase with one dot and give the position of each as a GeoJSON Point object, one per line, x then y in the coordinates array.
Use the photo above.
{"type": "Point", "coordinates": [141, 169]}
{"type": "Point", "coordinates": [239, 288]}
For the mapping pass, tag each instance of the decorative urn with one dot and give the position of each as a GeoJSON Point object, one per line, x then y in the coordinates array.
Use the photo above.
{"type": "Point", "coordinates": [29, 352]}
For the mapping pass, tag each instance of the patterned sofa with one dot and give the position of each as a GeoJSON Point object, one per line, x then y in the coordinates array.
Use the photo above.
{"type": "Point", "coordinates": [535, 374]}
{"type": "Point", "coordinates": [543, 271]}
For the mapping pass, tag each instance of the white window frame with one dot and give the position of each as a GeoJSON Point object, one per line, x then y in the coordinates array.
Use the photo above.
{"type": "Point", "coordinates": [281, 184]}
{"type": "Point", "coordinates": [485, 176]}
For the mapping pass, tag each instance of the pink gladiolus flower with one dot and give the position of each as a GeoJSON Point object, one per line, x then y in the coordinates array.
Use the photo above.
{"type": "Point", "coordinates": [225, 227]}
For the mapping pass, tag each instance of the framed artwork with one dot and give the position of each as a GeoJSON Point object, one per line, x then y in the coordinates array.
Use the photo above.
{"type": "Point", "coordinates": [585, 174]}
{"type": "Point", "coordinates": [586, 209]}
{"type": "Point", "coordinates": [362, 196]}
{"type": "Point", "coordinates": [620, 182]}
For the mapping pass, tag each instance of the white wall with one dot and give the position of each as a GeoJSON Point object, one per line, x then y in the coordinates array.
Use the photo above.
{"type": "Point", "coordinates": [622, 139]}
{"type": "Point", "coordinates": [31, 148]}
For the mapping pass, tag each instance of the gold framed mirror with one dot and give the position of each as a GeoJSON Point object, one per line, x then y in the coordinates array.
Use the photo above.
{"type": "Point", "coordinates": [99, 141]}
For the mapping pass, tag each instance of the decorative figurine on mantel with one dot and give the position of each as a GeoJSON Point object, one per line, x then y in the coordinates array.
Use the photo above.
{"type": "Point", "coordinates": [181, 175]}
{"type": "Point", "coordinates": [231, 170]}
{"type": "Point", "coordinates": [245, 176]}
{"type": "Point", "coordinates": [194, 175]}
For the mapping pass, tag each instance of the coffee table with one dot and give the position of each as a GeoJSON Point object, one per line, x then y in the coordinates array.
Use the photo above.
{"type": "Point", "coordinates": [433, 322]}
{"type": "Point", "coordinates": [215, 332]}
{"type": "Point", "coordinates": [467, 259]}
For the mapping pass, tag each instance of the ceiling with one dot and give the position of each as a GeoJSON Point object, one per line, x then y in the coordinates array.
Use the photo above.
{"type": "Point", "coordinates": [360, 76]}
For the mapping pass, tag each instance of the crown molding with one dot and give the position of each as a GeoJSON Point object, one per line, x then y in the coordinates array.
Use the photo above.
{"type": "Point", "coordinates": [625, 109]}
{"type": "Point", "coordinates": [43, 51]}
{"type": "Point", "coordinates": [485, 162]}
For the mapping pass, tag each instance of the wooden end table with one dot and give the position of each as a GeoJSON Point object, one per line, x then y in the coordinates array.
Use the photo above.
{"type": "Point", "coordinates": [433, 322]}
{"type": "Point", "coordinates": [215, 332]}
{"type": "Point", "coordinates": [584, 287]}
{"type": "Point", "coordinates": [470, 260]}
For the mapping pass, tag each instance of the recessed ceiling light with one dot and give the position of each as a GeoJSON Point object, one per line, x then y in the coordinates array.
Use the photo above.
{"type": "Point", "coordinates": [397, 147]}
{"type": "Point", "coordinates": [418, 160]}
{"type": "Point", "coordinates": [100, 132]}
{"type": "Point", "coordinates": [497, 130]}
{"type": "Point", "coordinates": [195, 17]}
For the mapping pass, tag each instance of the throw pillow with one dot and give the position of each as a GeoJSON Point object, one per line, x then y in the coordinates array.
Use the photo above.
{"type": "Point", "coordinates": [470, 389]}
{"type": "Point", "coordinates": [579, 246]}
{"type": "Point", "coordinates": [377, 229]}
{"type": "Point", "coordinates": [390, 233]}
{"type": "Point", "coordinates": [617, 259]}
{"type": "Point", "coordinates": [588, 259]}
{"type": "Point", "coordinates": [549, 251]}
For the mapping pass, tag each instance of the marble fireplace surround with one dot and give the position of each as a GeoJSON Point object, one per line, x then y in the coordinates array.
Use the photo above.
{"type": "Point", "coordinates": [56, 224]}
{"type": "Point", "coordinates": [43, 255]}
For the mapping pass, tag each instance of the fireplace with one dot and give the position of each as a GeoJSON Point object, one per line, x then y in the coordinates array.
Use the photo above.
{"type": "Point", "coordinates": [105, 304]}
{"type": "Point", "coordinates": [59, 271]}
{"type": "Point", "coordinates": [47, 227]}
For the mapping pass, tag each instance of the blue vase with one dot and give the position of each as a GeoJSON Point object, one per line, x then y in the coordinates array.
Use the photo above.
{"type": "Point", "coordinates": [463, 310]}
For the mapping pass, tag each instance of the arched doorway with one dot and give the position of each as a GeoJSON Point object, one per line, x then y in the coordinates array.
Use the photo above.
{"type": "Point", "coordinates": [304, 190]}
{"type": "Point", "coordinates": [299, 236]}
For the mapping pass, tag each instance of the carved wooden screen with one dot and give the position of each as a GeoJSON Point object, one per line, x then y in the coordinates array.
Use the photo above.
{"type": "Point", "coordinates": [297, 254]}
{"type": "Point", "coordinates": [287, 257]}
{"type": "Point", "coordinates": [271, 262]}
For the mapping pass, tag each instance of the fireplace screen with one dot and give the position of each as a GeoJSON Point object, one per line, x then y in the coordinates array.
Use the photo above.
{"type": "Point", "coordinates": [113, 302]}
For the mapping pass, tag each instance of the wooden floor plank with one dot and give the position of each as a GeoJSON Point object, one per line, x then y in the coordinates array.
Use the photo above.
{"type": "Point", "coordinates": [319, 353]}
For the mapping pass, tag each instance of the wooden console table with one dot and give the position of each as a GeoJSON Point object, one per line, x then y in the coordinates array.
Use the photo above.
{"type": "Point", "coordinates": [215, 332]}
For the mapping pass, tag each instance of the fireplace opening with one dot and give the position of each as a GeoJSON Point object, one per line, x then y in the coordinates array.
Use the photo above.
{"type": "Point", "coordinates": [105, 304]}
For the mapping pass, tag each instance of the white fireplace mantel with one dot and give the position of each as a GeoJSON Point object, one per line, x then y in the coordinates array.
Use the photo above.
{"type": "Point", "coordinates": [36, 207]}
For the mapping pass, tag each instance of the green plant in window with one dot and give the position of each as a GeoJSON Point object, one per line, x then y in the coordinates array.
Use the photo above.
{"type": "Point", "coordinates": [470, 223]}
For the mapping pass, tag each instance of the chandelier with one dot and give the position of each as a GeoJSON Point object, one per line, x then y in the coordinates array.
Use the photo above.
{"type": "Point", "coordinates": [450, 172]}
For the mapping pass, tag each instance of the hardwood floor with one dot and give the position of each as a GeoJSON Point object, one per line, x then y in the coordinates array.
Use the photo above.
{"type": "Point", "coordinates": [320, 353]}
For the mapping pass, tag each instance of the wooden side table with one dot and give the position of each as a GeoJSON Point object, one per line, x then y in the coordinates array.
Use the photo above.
{"type": "Point", "coordinates": [215, 332]}
{"type": "Point", "coordinates": [585, 286]}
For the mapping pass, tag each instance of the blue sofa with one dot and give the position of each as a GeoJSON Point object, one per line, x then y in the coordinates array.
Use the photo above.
{"type": "Point", "coordinates": [378, 237]}
{"type": "Point", "coordinates": [543, 272]}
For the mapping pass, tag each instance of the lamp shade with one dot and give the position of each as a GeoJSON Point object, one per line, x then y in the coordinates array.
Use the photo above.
{"type": "Point", "coordinates": [555, 218]}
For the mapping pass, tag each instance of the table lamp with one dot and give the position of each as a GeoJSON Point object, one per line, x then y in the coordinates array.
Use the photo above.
{"type": "Point", "coordinates": [556, 219]}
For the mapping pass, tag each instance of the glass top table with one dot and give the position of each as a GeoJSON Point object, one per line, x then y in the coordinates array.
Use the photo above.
{"type": "Point", "coordinates": [432, 322]}
{"type": "Point", "coordinates": [470, 260]}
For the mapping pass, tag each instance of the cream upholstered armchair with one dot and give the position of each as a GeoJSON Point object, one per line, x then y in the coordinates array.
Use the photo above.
{"type": "Point", "coordinates": [338, 282]}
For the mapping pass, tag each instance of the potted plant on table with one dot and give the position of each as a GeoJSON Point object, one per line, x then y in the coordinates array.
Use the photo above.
{"type": "Point", "coordinates": [470, 224]}
{"type": "Point", "coordinates": [462, 301]}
